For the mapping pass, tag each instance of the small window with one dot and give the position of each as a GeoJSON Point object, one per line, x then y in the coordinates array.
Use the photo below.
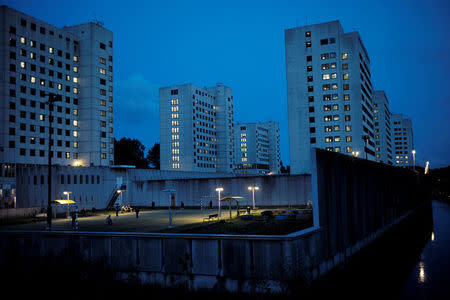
{"type": "Point", "coordinates": [308, 34]}
{"type": "Point", "coordinates": [344, 55]}
{"type": "Point", "coordinates": [308, 44]}
{"type": "Point", "coordinates": [324, 41]}
{"type": "Point", "coordinates": [332, 41]}
{"type": "Point", "coordinates": [309, 58]}
{"type": "Point", "coordinates": [102, 46]}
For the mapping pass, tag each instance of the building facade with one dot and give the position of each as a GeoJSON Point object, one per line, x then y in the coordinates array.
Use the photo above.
{"type": "Point", "coordinates": [402, 134]}
{"type": "Point", "coordinates": [74, 62]}
{"type": "Point", "coordinates": [196, 128]}
{"type": "Point", "coordinates": [383, 130]}
{"type": "Point", "coordinates": [329, 93]}
{"type": "Point", "coordinates": [257, 148]}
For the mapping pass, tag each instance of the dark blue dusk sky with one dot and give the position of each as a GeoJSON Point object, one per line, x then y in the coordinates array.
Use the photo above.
{"type": "Point", "coordinates": [241, 44]}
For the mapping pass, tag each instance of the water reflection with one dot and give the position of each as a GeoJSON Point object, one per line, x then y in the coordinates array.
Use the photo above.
{"type": "Point", "coordinates": [421, 272]}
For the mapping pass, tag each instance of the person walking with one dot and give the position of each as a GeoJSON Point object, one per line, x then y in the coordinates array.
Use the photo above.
{"type": "Point", "coordinates": [108, 220]}
{"type": "Point", "coordinates": [117, 210]}
{"type": "Point", "coordinates": [137, 212]}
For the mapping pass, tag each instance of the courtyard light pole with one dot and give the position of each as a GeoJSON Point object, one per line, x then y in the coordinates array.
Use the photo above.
{"type": "Point", "coordinates": [414, 159]}
{"type": "Point", "coordinates": [68, 199]}
{"type": "Point", "coordinates": [170, 191]}
{"type": "Point", "coordinates": [218, 190]}
{"type": "Point", "coordinates": [51, 99]}
{"type": "Point", "coordinates": [253, 189]}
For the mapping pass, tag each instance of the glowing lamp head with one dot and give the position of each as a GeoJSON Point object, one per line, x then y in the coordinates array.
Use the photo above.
{"type": "Point", "coordinates": [219, 189]}
{"type": "Point", "coordinates": [413, 152]}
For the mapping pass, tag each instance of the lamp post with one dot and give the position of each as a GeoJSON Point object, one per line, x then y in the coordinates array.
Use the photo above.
{"type": "Point", "coordinates": [170, 191]}
{"type": "Point", "coordinates": [253, 189]}
{"type": "Point", "coordinates": [51, 99]}
{"type": "Point", "coordinates": [355, 153]}
{"type": "Point", "coordinates": [414, 159]}
{"type": "Point", "coordinates": [218, 190]}
{"type": "Point", "coordinates": [120, 197]}
{"type": "Point", "coordinates": [67, 193]}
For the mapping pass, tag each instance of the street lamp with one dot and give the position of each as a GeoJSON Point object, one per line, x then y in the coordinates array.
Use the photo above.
{"type": "Point", "coordinates": [355, 153]}
{"type": "Point", "coordinates": [170, 191]}
{"type": "Point", "coordinates": [253, 189]}
{"type": "Point", "coordinates": [67, 193]}
{"type": "Point", "coordinates": [51, 99]}
{"type": "Point", "coordinates": [414, 159]}
{"type": "Point", "coordinates": [219, 189]}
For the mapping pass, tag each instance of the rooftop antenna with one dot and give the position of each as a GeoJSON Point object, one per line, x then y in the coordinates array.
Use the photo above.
{"type": "Point", "coordinates": [97, 20]}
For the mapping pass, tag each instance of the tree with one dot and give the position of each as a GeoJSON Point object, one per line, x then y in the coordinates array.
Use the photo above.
{"type": "Point", "coordinates": [130, 152]}
{"type": "Point", "coordinates": [283, 169]}
{"type": "Point", "coordinates": [153, 156]}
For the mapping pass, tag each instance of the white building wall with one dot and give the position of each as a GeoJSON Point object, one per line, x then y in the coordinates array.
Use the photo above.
{"type": "Point", "coordinates": [39, 59]}
{"type": "Point", "coordinates": [382, 124]}
{"type": "Point", "coordinates": [257, 148]}
{"type": "Point", "coordinates": [196, 128]}
{"type": "Point", "coordinates": [403, 141]}
{"type": "Point", "coordinates": [310, 113]}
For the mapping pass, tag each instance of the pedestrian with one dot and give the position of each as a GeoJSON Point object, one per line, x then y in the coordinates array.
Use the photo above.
{"type": "Point", "coordinates": [137, 212]}
{"type": "Point", "coordinates": [248, 210]}
{"type": "Point", "coordinates": [117, 210]}
{"type": "Point", "coordinates": [74, 221]}
{"type": "Point", "coordinates": [108, 220]}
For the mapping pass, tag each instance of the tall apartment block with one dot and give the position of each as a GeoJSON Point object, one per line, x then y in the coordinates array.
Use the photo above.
{"type": "Point", "coordinates": [75, 62]}
{"type": "Point", "coordinates": [329, 93]}
{"type": "Point", "coordinates": [196, 128]}
{"type": "Point", "coordinates": [383, 128]}
{"type": "Point", "coordinates": [402, 134]}
{"type": "Point", "coordinates": [257, 148]}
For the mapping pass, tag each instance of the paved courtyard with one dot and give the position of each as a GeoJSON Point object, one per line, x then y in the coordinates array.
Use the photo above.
{"type": "Point", "coordinates": [148, 221]}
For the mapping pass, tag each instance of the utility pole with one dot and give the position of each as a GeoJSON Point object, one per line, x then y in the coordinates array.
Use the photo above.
{"type": "Point", "coordinates": [51, 99]}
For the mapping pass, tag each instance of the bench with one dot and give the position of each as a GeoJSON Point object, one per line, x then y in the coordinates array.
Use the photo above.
{"type": "Point", "coordinates": [211, 217]}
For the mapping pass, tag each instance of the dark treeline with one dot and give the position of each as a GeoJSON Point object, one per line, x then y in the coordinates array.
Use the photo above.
{"type": "Point", "coordinates": [132, 152]}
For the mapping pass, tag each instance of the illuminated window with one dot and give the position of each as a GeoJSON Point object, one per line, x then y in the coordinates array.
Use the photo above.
{"type": "Point", "coordinates": [75, 69]}
{"type": "Point", "coordinates": [345, 76]}
{"type": "Point", "coordinates": [23, 64]}
{"type": "Point", "coordinates": [337, 138]}
{"type": "Point", "coordinates": [75, 133]}
{"type": "Point", "coordinates": [327, 118]}
{"type": "Point", "coordinates": [348, 128]}
{"type": "Point", "coordinates": [348, 139]}
{"type": "Point", "coordinates": [75, 79]}
{"type": "Point", "coordinates": [349, 149]}
{"type": "Point", "coordinates": [75, 58]}
{"type": "Point", "coordinates": [75, 112]}
{"type": "Point", "coordinates": [325, 76]}
{"type": "Point", "coordinates": [333, 75]}
{"type": "Point", "coordinates": [344, 55]}
{"type": "Point", "coordinates": [50, 50]}
{"type": "Point", "coordinates": [33, 79]}
{"type": "Point", "coordinates": [325, 66]}
{"type": "Point", "coordinates": [333, 65]}
{"type": "Point", "coordinates": [328, 139]}
{"type": "Point", "coordinates": [346, 97]}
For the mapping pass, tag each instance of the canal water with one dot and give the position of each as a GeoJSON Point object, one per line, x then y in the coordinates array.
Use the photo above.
{"type": "Point", "coordinates": [430, 277]}
{"type": "Point", "coordinates": [411, 263]}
